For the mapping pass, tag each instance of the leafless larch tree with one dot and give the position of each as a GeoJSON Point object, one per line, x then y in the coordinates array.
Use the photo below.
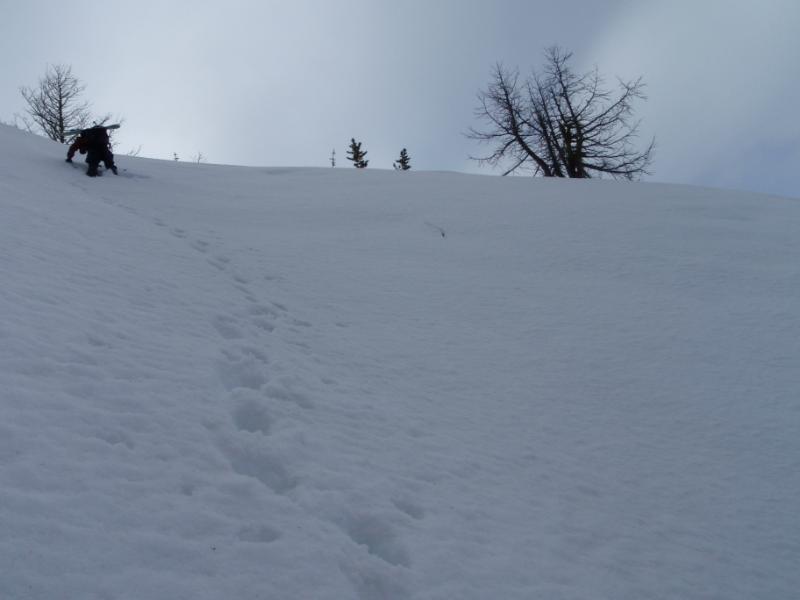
{"type": "Point", "coordinates": [55, 105]}
{"type": "Point", "coordinates": [561, 124]}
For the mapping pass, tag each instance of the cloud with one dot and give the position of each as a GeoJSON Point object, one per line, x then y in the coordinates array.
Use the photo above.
{"type": "Point", "coordinates": [275, 83]}
{"type": "Point", "coordinates": [721, 80]}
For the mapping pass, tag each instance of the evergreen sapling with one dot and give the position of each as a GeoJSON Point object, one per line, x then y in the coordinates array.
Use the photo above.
{"type": "Point", "coordinates": [357, 155]}
{"type": "Point", "coordinates": [404, 162]}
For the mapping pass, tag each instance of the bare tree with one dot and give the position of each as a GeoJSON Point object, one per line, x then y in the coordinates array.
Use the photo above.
{"type": "Point", "coordinates": [55, 105]}
{"type": "Point", "coordinates": [561, 124]}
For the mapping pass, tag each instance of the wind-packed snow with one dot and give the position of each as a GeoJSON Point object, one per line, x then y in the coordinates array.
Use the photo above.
{"type": "Point", "coordinates": [249, 383]}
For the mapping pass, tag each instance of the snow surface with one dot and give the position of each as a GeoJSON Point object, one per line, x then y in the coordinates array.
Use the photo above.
{"type": "Point", "coordinates": [238, 383]}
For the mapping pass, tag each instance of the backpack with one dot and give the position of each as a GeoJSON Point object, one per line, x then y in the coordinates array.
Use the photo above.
{"type": "Point", "coordinates": [96, 136]}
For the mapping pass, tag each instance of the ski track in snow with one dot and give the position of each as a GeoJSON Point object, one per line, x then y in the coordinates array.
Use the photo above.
{"type": "Point", "coordinates": [221, 382]}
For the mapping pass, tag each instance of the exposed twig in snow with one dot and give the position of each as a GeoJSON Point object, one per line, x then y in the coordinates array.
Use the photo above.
{"type": "Point", "coordinates": [437, 228]}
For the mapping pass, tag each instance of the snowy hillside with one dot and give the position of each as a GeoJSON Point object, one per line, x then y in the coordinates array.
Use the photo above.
{"type": "Point", "coordinates": [239, 383]}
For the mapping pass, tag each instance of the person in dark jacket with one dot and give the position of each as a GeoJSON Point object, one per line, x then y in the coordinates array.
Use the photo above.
{"type": "Point", "coordinates": [94, 143]}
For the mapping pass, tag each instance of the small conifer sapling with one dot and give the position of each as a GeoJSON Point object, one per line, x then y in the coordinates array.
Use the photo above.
{"type": "Point", "coordinates": [404, 162]}
{"type": "Point", "coordinates": [356, 155]}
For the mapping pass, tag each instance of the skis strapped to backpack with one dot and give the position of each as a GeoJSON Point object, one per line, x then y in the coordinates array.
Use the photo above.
{"type": "Point", "coordinates": [77, 131]}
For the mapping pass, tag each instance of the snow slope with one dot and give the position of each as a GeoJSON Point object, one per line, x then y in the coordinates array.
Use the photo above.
{"type": "Point", "coordinates": [221, 382]}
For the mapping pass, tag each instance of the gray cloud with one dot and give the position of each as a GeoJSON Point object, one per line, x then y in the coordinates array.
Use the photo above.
{"type": "Point", "coordinates": [277, 83]}
{"type": "Point", "coordinates": [723, 86]}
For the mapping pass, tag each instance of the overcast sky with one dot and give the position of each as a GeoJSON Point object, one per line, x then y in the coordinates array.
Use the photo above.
{"type": "Point", "coordinates": [273, 83]}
